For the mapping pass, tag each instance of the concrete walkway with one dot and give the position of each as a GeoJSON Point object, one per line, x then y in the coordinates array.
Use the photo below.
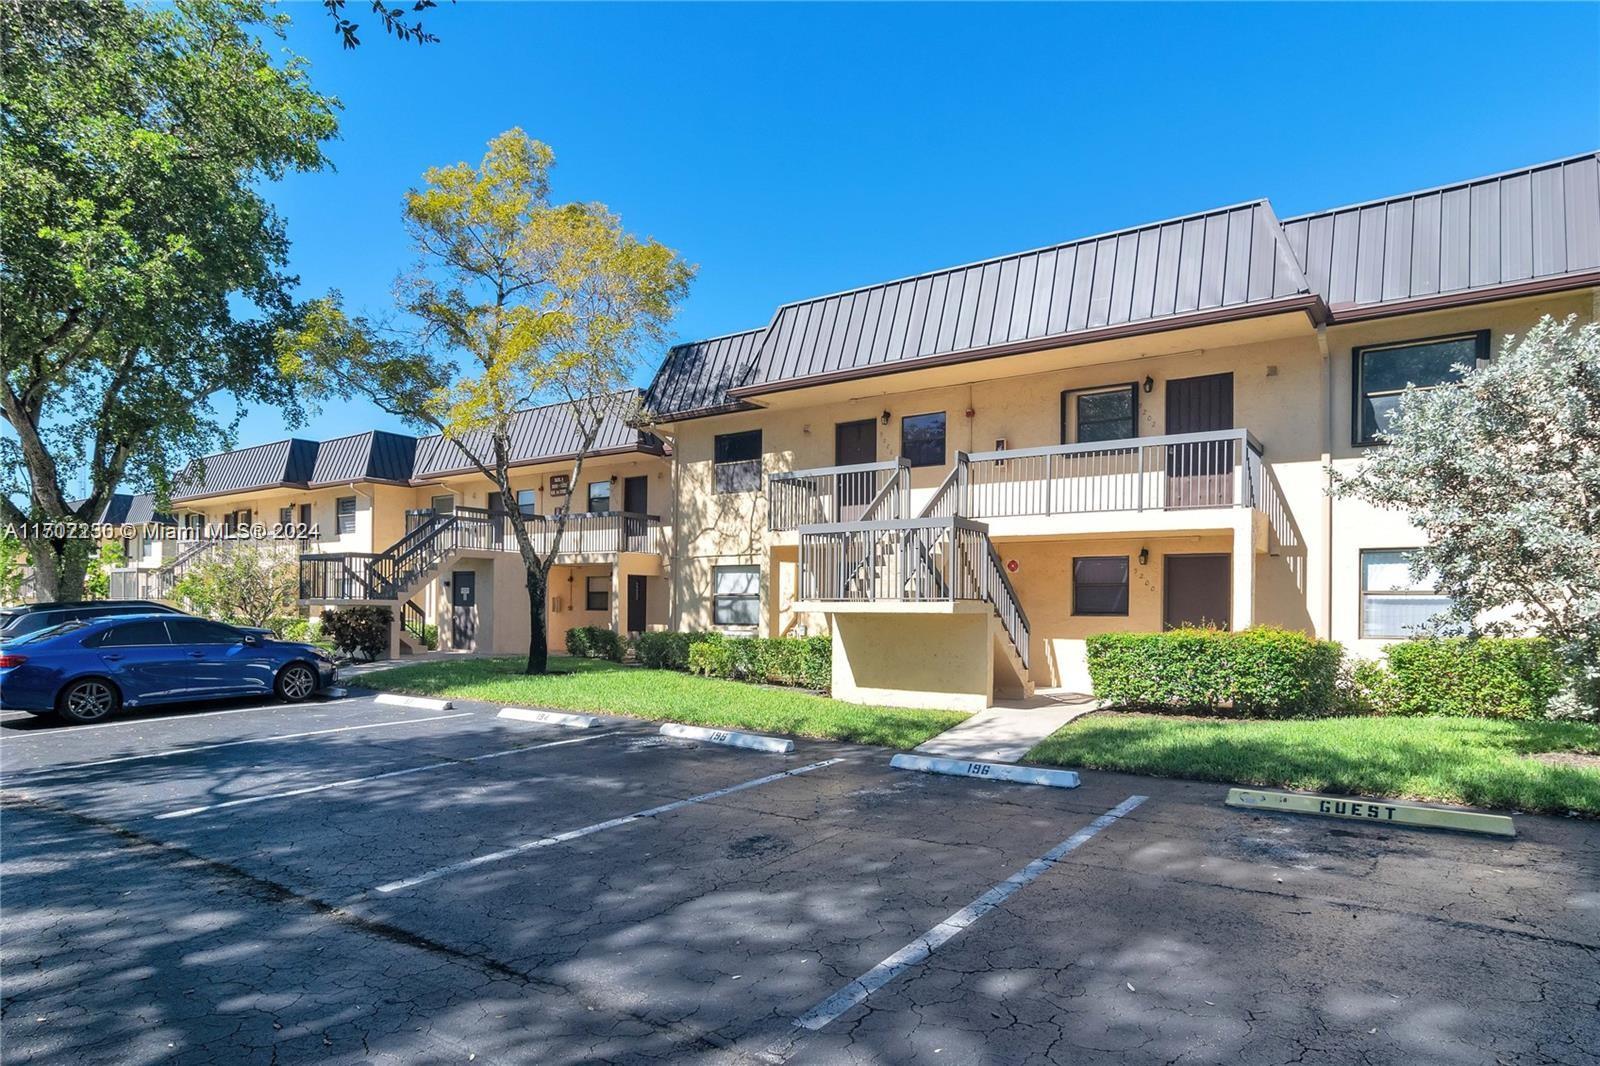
{"type": "Point", "coordinates": [1009, 730]}
{"type": "Point", "coordinates": [350, 670]}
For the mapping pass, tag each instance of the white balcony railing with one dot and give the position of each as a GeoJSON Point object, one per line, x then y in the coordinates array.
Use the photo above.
{"type": "Point", "coordinates": [1181, 471]}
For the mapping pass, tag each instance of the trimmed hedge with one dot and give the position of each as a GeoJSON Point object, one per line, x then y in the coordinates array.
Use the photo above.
{"type": "Point", "coordinates": [803, 661]}
{"type": "Point", "coordinates": [1513, 677]}
{"type": "Point", "coordinates": [667, 651]}
{"type": "Point", "coordinates": [1257, 671]}
{"type": "Point", "coordinates": [594, 642]}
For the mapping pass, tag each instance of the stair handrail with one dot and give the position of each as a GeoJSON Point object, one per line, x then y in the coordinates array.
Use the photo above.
{"type": "Point", "coordinates": [896, 490]}
{"type": "Point", "coordinates": [1007, 605]}
{"type": "Point", "coordinates": [949, 496]}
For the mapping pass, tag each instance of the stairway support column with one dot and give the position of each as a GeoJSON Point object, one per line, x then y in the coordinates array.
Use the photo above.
{"type": "Point", "coordinates": [396, 624]}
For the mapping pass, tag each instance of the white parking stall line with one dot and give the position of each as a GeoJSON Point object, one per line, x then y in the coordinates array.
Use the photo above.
{"type": "Point", "coordinates": [178, 712]}
{"type": "Point", "coordinates": [919, 949]}
{"type": "Point", "coordinates": [588, 830]}
{"type": "Point", "coordinates": [347, 782]}
{"type": "Point", "coordinates": [47, 770]}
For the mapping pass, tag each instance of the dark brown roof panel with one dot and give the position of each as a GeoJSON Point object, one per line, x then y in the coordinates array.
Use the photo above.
{"type": "Point", "coordinates": [1226, 258]}
{"type": "Point", "coordinates": [695, 377]}
{"type": "Point", "coordinates": [372, 456]}
{"type": "Point", "coordinates": [1524, 225]}
{"type": "Point", "coordinates": [284, 462]}
{"type": "Point", "coordinates": [539, 434]}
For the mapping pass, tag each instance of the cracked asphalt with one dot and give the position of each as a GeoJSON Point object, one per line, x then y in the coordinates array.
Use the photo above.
{"type": "Point", "coordinates": [1185, 932]}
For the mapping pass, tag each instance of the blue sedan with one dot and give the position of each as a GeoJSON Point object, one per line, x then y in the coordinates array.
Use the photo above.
{"type": "Point", "coordinates": [87, 670]}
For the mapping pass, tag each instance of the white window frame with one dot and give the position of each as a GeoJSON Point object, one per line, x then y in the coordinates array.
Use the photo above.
{"type": "Point", "coordinates": [1364, 592]}
{"type": "Point", "coordinates": [719, 599]}
{"type": "Point", "coordinates": [340, 514]}
{"type": "Point", "coordinates": [589, 591]}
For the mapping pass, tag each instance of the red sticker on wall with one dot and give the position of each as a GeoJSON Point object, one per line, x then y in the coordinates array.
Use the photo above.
{"type": "Point", "coordinates": [1011, 565]}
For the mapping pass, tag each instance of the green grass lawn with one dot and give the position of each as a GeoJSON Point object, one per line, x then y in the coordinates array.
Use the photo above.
{"type": "Point", "coordinates": [665, 695]}
{"type": "Point", "coordinates": [1452, 760]}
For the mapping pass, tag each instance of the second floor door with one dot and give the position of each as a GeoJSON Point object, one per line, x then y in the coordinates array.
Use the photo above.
{"type": "Point", "coordinates": [636, 501]}
{"type": "Point", "coordinates": [1200, 474]}
{"type": "Point", "coordinates": [855, 443]}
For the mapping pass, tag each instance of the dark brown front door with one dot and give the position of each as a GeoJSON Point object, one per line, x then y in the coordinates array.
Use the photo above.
{"type": "Point", "coordinates": [855, 443]}
{"type": "Point", "coordinates": [463, 610]}
{"type": "Point", "coordinates": [1200, 474]}
{"type": "Point", "coordinates": [636, 589]}
{"type": "Point", "coordinates": [1198, 590]}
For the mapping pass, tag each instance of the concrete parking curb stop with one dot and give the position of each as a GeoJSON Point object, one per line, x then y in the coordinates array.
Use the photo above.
{"type": "Point", "coordinates": [412, 701]}
{"type": "Point", "coordinates": [753, 741]}
{"type": "Point", "coordinates": [572, 721]}
{"type": "Point", "coordinates": [987, 771]}
{"type": "Point", "coordinates": [1388, 812]}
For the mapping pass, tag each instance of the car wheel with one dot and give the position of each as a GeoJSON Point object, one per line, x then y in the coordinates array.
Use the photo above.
{"type": "Point", "coordinates": [296, 682]}
{"type": "Point", "coordinates": [88, 700]}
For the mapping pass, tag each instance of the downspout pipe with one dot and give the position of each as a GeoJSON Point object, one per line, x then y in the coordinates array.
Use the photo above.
{"type": "Point", "coordinates": [1327, 488]}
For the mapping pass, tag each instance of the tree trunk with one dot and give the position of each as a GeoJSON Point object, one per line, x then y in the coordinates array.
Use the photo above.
{"type": "Point", "coordinates": [538, 645]}
{"type": "Point", "coordinates": [59, 568]}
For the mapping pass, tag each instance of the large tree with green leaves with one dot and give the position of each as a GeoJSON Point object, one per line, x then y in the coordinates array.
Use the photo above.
{"type": "Point", "coordinates": [1501, 472]}
{"type": "Point", "coordinates": [515, 300]}
{"type": "Point", "coordinates": [142, 271]}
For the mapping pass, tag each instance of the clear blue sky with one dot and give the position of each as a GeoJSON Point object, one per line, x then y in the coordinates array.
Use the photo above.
{"type": "Point", "coordinates": [793, 150]}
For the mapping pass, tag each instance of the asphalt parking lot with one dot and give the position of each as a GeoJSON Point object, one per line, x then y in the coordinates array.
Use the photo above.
{"type": "Point", "coordinates": [350, 882]}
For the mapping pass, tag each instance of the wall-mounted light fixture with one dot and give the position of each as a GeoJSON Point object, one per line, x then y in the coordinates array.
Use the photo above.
{"type": "Point", "coordinates": [885, 418]}
{"type": "Point", "coordinates": [1144, 556]}
{"type": "Point", "coordinates": [1149, 383]}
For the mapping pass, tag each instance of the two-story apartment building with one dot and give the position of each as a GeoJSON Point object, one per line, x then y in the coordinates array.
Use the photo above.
{"type": "Point", "coordinates": [963, 474]}
{"type": "Point", "coordinates": [411, 523]}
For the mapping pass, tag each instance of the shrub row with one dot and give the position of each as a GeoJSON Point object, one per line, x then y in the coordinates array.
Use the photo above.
{"type": "Point", "coordinates": [1469, 678]}
{"type": "Point", "coordinates": [594, 642]}
{"type": "Point", "coordinates": [667, 651]}
{"type": "Point", "coordinates": [1258, 671]}
{"type": "Point", "coordinates": [1264, 671]}
{"type": "Point", "coordinates": [803, 661]}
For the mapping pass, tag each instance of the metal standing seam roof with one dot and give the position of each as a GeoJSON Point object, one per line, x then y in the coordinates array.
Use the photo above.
{"type": "Point", "coordinates": [1522, 226]}
{"type": "Point", "coordinates": [1232, 257]}
{"type": "Point", "coordinates": [284, 462]}
{"type": "Point", "coordinates": [376, 455]}
{"type": "Point", "coordinates": [694, 379]}
{"type": "Point", "coordinates": [539, 434]}
{"type": "Point", "coordinates": [127, 509]}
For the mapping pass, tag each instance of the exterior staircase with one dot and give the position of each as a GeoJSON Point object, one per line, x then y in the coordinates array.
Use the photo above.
{"type": "Point", "coordinates": [938, 555]}
{"type": "Point", "coordinates": [158, 584]}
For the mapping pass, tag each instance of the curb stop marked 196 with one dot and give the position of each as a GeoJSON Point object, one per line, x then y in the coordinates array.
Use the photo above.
{"type": "Point", "coordinates": [1353, 808]}
{"type": "Point", "coordinates": [753, 741]}
{"type": "Point", "coordinates": [987, 771]}
{"type": "Point", "coordinates": [573, 721]}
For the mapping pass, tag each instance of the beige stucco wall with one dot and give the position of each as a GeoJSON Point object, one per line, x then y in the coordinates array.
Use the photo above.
{"type": "Point", "coordinates": [1043, 580]}
{"type": "Point", "coordinates": [379, 518]}
{"type": "Point", "coordinates": [942, 661]}
{"type": "Point", "coordinates": [472, 490]}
